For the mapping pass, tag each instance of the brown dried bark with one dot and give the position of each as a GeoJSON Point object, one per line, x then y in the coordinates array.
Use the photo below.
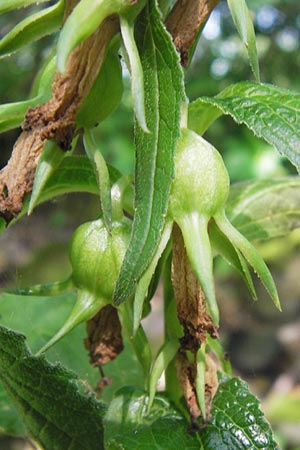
{"type": "Point", "coordinates": [185, 21]}
{"type": "Point", "coordinates": [55, 119]}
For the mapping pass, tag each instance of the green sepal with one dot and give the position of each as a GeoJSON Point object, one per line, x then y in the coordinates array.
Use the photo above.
{"type": "Point", "coordinates": [165, 356]}
{"type": "Point", "coordinates": [250, 253]}
{"type": "Point", "coordinates": [196, 240]}
{"type": "Point", "coordinates": [9, 5]}
{"type": "Point", "coordinates": [222, 245]}
{"type": "Point", "coordinates": [102, 175]}
{"type": "Point", "coordinates": [48, 289]}
{"type": "Point", "coordinates": [86, 306]}
{"type": "Point", "coordinates": [32, 28]}
{"type": "Point", "coordinates": [216, 347]}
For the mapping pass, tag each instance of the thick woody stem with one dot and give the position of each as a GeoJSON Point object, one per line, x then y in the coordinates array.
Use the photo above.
{"type": "Point", "coordinates": [185, 21]}
{"type": "Point", "coordinates": [55, 119]}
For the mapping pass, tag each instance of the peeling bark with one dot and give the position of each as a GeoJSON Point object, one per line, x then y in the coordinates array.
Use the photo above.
{"type": "Point", "coordinates": [55, 119]}
{"type": "Point", "coordinates": [185, 21]}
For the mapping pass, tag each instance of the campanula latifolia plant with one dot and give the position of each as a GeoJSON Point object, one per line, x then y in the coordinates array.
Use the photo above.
{"type": "Point", "coordinates": [161, 227]}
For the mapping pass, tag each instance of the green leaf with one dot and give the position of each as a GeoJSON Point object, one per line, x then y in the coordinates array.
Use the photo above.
{"type": "Point", "coordinates": [272, 113]}
{"type": "Point", "coordinates": [8, 5]}
{"type": "Point", "coordinates": [74, 174]}
{"type": "Point", "coordinates": [237, 422]}
{"type": "Point", "coordinates": [243, 22]}
{"type": "Point", "coordinates": [73, 421]}
{"type": "Point", "coordinates": [51, 158]}
{"type": "Point", "coordinates": [32, 28]}
{"type": "Point", "coordinates": [10, 422]}
{"type": "Point", "coordinates": [13, 114]}
{"type": "Point", "coordinates": [128, 427]}
{"type": "Point", "coordinates": [48, 314]}
{"type": "Point", "coordinates": [265, 209]}
{"type": "Point", "coordinates": [154, 150]}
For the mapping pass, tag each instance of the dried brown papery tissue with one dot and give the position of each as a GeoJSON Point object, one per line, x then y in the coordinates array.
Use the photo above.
{"type": "Point", "coordinates": [55, 119]}
{"type": "Point", "coordinates": [196, 323]}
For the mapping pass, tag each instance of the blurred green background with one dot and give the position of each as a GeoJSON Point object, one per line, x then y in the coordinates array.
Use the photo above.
{"type": "Point", "coordinates": [263, 345]}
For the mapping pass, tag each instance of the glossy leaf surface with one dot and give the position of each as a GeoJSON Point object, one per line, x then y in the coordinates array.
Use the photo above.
{"type": "Point", "coordinates": [272, 113]}
{"type": "Point", "coordinates": [236, 423]}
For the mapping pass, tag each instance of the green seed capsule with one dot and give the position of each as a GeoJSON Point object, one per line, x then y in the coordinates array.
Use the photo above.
{"type": "Point", "coordinates": [96, 255]}
{"type": "Point", "coordinates": [198, 194]}
{"type": "Point", "coordinates": [201, 181]}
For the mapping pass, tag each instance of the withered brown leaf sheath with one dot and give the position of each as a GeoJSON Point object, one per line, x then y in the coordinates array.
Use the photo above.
{"type": "Point", "coordinates": [196, 323]}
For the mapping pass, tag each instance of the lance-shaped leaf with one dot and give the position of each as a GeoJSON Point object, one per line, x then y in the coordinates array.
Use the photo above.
{"type": "Point", "coordinates": [243, 22]}
{"type": "Point", "coordinates": [272, 113]}
{"type": "Point", "coordinates": [154, 150]}
{"type": "Point", "coordinates": [32, 28]}
{"type": "Point", "coordinates": [74, 420]}
{"type": "Point", "coordinates": [265, 209]}
{"type": "Point", "coordinates": [9, 5]}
